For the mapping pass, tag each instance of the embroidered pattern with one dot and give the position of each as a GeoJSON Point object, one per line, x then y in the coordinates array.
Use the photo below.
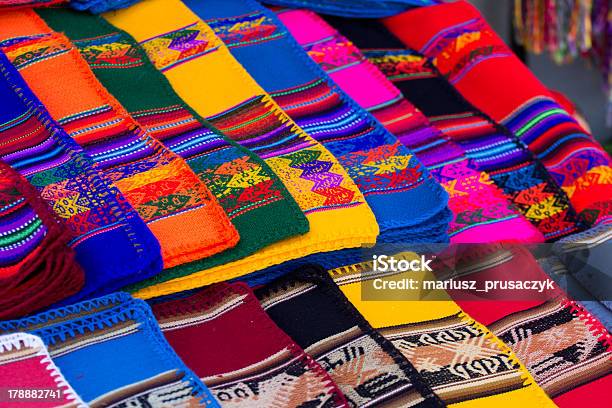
{"type": "Point", "coordinates": [108, 51]}
{"type": "Point", "coordinates": [510, 165]}
{"type": "Point", "coordinates": [558, 344]}
{"type": "Point", "coordinates": [176, 47]}
{"type": "Point", "coordinates": [455, 358]}
{"type": "Point", "coordinates": [251, 28]}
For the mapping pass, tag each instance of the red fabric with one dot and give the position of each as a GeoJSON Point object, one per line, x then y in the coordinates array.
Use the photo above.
{"type": "Point", "coordinates": [593, 394]}
{"type": "Point", "coordinates": [455, 37]}
{"type": "Point", "coordinates": [497, 85]}
{"type": "Point", "coordinates": [223, 334]}
{"type": "Point", "coordinates": [47, 274]}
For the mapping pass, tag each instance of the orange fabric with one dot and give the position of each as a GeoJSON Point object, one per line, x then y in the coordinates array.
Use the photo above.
{"type": "Point", "coordinates": [178, 208]}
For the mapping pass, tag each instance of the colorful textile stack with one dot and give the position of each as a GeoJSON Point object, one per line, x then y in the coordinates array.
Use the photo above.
{"type": "Point", "coordinates": [89, 340]}
{"type": "Point", "coordinates": [247, 360]}
{"type": "Point", "coordinates": [407, 202]}
{"type": "Point", "coordinates": [321, 211]}
{"type": "Point", "coordinates": [253, 197]}
{"type": "Point", "coordinates": [159, 184]}
{"type": "Point", "coordinates": [481, 211]}
{"type": "Point", "coordinates": [92, 208]}
{"type": "Point", "coordinates": [367, 368]}
{"type": "Point", "coordinates": [25, 369]}
{"type": "Point", "coordinates": [490, 146]}
{"type": "Point", "coordinates": [464, 48]}
{"type": "Point", "coordinates": [214, 84]}
{"type": "Point", "coordinates": [34, 252]}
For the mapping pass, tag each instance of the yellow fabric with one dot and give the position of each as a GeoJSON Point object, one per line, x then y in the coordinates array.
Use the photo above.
{"type": "Point", "coordinates": [356, 280]}
{"type": "Point", "coordinates": [213, 82]}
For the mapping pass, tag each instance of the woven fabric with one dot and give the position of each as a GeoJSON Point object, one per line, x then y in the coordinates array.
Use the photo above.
{"type": "Point", "coordinates": [214, 84]}
{"type": "Point", "coordinates": [89, 340]}
{"type": "Point", "coordinates": [490, 146]}
{"type": "Point", "coordinates": [248, 361]}
{"type": "Point", "coordinates": [37, 268]}
{"type": "Point", "coordinates": [476, 61]}
{"type": "Point", "coordinates": [401, 193]}
{"type": "Point", "coordinates": [447, 347]}
{"type": "Point", "coordinates": [481, 210]}
{"type": "Point", "coordinates": [251, 194]}
{"type": "Point", "coordinates": [565, 348]}
{"type": "Point", "coordinates": [25, 364]}
{"type": "Point", "coordinates": [96, 214]}
{"type": "Point", "coordinates": [178, 208]}
{"type": "Point", "coordinates": [366, 367]}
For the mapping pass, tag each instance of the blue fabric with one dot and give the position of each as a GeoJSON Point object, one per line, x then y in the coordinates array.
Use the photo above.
{"type": "Point", "coordinates": [98, 365]}
{"type": "Point", "coordinates": [279, 63]}
{"type": "Point", "coordinates": [100, 6]}
{"type": "Point", "coordinates": [117, 253]}
{"type": "Point", "coordinates": [354, 8]}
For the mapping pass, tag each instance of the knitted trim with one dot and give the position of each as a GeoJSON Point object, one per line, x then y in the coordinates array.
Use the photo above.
{"type": "Point", "coordinates": [17, 341]}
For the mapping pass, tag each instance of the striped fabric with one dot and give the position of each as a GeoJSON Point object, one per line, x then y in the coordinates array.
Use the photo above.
{"type": "Point", "coordinates": [248, 361]}
{"type": "Point", "coordinates": [34, 252]}
{"type": "Point", "coordinates": [88, 341]}
{"type": "Point", "coordinates": [448, 348]}
{"type": "Point", "coordinates": [482, 213]}
{"type": "Point", "coordinates": [251, 194]}
{"type": "Point", "coordinates": [368, 369]}
{"type": "Point", "coordinates": [401, 193]}
{"type": "Point", "coordinates": [567, 350]}
{"type": "Point", "coordinates": [480, 65]}
{"type": "Point", "coordinates": [490, 146]}
{"type": "Point", "coordinates": [205, 75]}
{"type": "Point", "coordinates": [93, 209]}
{"type": "Point", "coordinates": [178, 208]}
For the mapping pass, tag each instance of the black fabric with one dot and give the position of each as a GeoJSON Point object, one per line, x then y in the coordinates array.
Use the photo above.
{"type": "Point", "coordinates": [312, 310]}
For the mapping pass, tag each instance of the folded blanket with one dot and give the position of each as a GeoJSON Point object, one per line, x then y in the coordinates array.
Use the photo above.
{"type": "Point", "coordinates": [395, 183]}
{"type": "Point", "coordinates": [480, 65]}
{"type": "Point", "coordinates": [251, 194]}
{"type": "Point", "coordinates": [225, 336]}
{"type": "Point", "coordinates": [366, 367]}
{"type": "Point", "coordinates": [37, 268]}
{"type": "Point", "coordinates": [481, 210]}
{"type": "Point", "coordinates": [178, 208]}
{"type": "Point", "coordinates": [97, 215]}
{"type": "Point", "coordinates": [207, 77]}
{"type": "Point", "coordinates": [89, 340]}
{"type": "Point", "coordinates": [490, 146]}
{"type": "Point", "coordinates": [447, 347]}
{"type": "Point", "coordinates": [27, 368]}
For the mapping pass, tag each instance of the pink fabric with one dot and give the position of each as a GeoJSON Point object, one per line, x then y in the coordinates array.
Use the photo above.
{"type": "Point", "coordinates": [482, 211]}
{"type": "Point", "coordinates": [364, 86]}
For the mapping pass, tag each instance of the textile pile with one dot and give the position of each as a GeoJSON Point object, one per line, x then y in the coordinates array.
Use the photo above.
{"type": "Point", "coordinates": [195, 197]}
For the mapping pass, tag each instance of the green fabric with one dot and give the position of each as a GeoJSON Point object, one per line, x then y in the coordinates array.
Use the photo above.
{"type": "Point", "coordinates": [258, 204]}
